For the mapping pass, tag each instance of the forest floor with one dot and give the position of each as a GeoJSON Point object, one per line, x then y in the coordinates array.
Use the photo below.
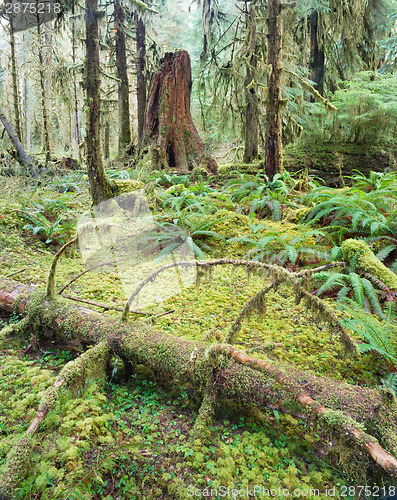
{"type": "Point", "coordinates": [130, 439]}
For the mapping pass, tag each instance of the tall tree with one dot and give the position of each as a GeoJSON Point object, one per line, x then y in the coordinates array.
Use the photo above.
{"type": "Point", "coordinates": [100, 186]}
{"type": "Point", "coordinates": [140, 72]}
{"type": "Point", "coordinates": [15, 83]}
{"type": "Point", "coordinates": [123, 85]}
{"type": "Point", "coordinates": [317, 52]}
{"type": "Point", "coordinates": [45, 132]}
{"type": "Point", "coordinates": [250, 88]}
{"type": "Point", "coordinates": [273, 144]}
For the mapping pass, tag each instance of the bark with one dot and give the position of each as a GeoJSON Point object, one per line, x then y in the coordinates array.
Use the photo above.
{"type": "Point", "coordinates": [123, 86]}
{"type": "Point", "coordinates": [169, 128]}
{"type": "Point", "coordinates": [140, 73]}
{"type": "Point", "coordinates": [317, 57]}
{"type": "Point", "coordinates": [75, 97]}
{"type": "Point", "coordinates": [15, 85]}
{"type": "Point", "coordinates": [26, 99]}
{"type": "Point", "coordinates": [100, 186]}
{"type": "Point", "coordinates": [106, 147]}
{"type": "Point", "coordinates": [339, 407]}
{"type": "Point", "coordinates": [250, 90]}
{"type": "Point", "coordinates": [23, 158]}
{"type": "Point", "coordinates": [45, 133]}
{"type": "Point", "coordinates": [273, 144]}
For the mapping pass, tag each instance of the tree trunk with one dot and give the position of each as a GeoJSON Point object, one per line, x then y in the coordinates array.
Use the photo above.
{"type": "Point", "coordinates": [342, 409]}
{"type": "Point", "coordinates": [140, 73]}
{"type": "Point", "coordinates": [100, 186]}
{"type": "Point", "coordinates": [273, 144]}
{"type": "Point", "coordinates": [77, 135]}
{"type": "Point", "coordinates": [26, 104]}
{"type": "Point", "coordinates": [317, 57]}
{"type": "Point", "coordinates": [15, 85]}
{"type": "Point", "coordinates": [45, 133]}
{"type": "Point", "coordinates": [123, 86]}
{"type": "Point", "coordinates": [169, 127]}
{"type": "Point", "coordinates": [22, 156]}
{"type": "Point", "coordinates": [250, 89]}
{"type": "Point", "coordinates": [106, 147]}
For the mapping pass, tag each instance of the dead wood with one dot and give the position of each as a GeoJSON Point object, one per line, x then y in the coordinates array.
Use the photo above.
{"type": "Point", "coordinates": [357, 416]}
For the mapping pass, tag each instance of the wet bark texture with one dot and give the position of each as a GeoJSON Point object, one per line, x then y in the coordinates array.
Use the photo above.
{"type": "Point", "coordinates": [100, 187]}
{"type": "Point", "coordinates": [317, 57]}
{"type": "Point", "coordinates": [140, 73]}
{"type": "Point", "coordinates": [169, 128]}
{"type": "Point", "coordinates": [250, 85]}
{"type": "Point", "coordinates": [273, 144]}
{"type": "Point", "coordinates": [123, 86]}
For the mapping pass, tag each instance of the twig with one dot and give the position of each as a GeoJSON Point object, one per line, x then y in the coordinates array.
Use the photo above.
{"type": "Point", "coordinates": [104, 306]}
{"type": "Point", "coordinates": [86, 271]}
{"type": "Point", "coordinates": [16, 272]}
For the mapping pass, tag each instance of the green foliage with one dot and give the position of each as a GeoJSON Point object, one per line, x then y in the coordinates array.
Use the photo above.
{"type": "Point", "coordinates": [282, 248]}
{"type": "Point", "coordinates": [367, 209]}
{"type": "Point", "coordinates": [350, 285]}
{"type": "Point", "coordinates": [367, 111]}
{"type": "Point", "coordinates": [379, 336]}
{"type": "Point", "coordinates": [188, 230]}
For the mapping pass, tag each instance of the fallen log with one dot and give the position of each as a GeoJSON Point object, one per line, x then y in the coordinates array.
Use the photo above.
{"type": "Point", "coordinates": [356, 416]}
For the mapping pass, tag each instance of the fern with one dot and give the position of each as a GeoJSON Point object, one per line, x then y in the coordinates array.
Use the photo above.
{"type": "Point", "coordinates": [379, 336]}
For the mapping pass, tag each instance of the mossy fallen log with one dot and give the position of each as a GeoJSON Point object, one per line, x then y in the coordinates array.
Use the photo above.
{"type": "Point", "coordinates": [368, 262]}
{"type": "Point", "coordinates": [359, 418]}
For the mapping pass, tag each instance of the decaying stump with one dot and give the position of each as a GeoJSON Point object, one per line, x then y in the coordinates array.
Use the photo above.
{"type": "Point", "coordinates": [169, 131]}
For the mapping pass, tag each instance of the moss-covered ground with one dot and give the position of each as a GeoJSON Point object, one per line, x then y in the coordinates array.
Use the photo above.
{"type": "Point", "coordinates": [130, 439]}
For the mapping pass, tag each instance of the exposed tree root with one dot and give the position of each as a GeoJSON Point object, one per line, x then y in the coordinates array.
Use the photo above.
{"type": "Point", "coordinates": [342, 409]}
{"type": "Point", "coordinates": [93, 362]}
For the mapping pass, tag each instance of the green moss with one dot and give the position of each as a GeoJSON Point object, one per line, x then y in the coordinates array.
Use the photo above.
{"type": "Point", "coordinates": [368, 262]}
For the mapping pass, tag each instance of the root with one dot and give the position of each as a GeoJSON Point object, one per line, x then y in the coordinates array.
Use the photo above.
{"type": "Point", "coordinates": [92, 361]}
{"type": "Point", "coordinates": [13, 330]}
{"type": "Point", "coordinates": [51, 283]}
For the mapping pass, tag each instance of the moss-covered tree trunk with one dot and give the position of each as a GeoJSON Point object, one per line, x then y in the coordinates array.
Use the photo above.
{"type": "Point", "coordinates": [250, 89]}
{"type": "Point", "coordinates": [15, 85]}
{"type": "Point", "coordinates": [77, 134]}
{"type": "Point", "coordinates": [342, 409]}
{"type": "Point", "coordinates": [140, 73]}
{"type": "Point", "coordinates": [22, 156]}
{"type": "Point", "coordinates": [169, 129]}
{"type": "Point", "coordinates": [317, 56]}
{"type": "Point", "coordinates": [123, 85]}
{"type": "Point", "coordinates": [45, 133]}
{"type": "Point", "coordinates": [100, 186]}
{"type": "Point", "coordinates": [273, 144]}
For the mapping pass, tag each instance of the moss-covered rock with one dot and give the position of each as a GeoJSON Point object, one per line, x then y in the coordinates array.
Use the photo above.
{"type": "Point", "coordinates": [368, 262]}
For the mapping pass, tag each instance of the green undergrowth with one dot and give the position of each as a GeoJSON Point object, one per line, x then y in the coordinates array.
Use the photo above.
{"type": "Point", "coordinates": [134, 439]}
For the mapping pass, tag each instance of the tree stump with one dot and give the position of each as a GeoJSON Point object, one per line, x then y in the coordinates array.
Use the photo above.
{"type": "Point", "coordinates": [169, 132]}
